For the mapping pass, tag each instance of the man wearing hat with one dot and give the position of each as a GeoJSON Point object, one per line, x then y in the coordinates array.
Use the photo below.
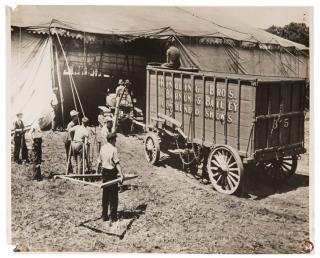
{"type": "Point", "coordinates": [106, 129]}
{"type": "Point", "coordinates": [120, 88]}
{"type": "Point", "coordinates": [74, 121]}
{"type": "Point", "coordinates": [19, 141]}
{"type": "Point", "coordinates": [79, 141]}
{"type": "Point", "coordinates": [110, 163]}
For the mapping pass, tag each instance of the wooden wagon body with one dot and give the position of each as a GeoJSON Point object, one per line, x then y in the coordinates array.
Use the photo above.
{"type": "Point", "coordinates": [259, 118]}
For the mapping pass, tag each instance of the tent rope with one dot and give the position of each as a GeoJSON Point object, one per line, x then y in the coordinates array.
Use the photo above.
{"type": "Point", "coordinates": [72, 83]}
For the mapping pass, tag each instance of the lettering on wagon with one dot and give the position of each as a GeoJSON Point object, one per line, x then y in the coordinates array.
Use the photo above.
{"type": "Point", "coordinates": [215, 102]}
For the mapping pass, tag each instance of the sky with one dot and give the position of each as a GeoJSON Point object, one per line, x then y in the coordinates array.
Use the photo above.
{"type": "Point", "coordinates": [261, 17]}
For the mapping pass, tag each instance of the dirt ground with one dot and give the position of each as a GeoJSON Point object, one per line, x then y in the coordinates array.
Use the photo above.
{"type": "Point", "coordinates": [173, 212]}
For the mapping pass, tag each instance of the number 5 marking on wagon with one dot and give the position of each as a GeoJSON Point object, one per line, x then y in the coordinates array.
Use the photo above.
{"type": "Point", "coordinates": [286, 122]}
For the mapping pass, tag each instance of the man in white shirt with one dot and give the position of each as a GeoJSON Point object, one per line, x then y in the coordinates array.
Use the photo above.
{"type": "Point", "coordinates": [79, 141]}
{"type": "Point", "coordinates": [36, 135]}
{"type": "Point", "coordinates": [54, 104]}
{"type": "Point", "coordinates": [110, 163]}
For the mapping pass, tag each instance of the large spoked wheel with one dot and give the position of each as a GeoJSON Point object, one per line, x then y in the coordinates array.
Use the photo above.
{"type": "Point", "coordinates": [225, 169]}
{"type": "Point", "coordinates": [282, 169]}
{"type": "Point", "coordinates": [152, 148]}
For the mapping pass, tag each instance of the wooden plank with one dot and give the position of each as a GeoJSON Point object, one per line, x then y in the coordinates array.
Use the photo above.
{"type": "Point", "coordinates": [84, 176]}
{"type": "Point", "coordinates": [198, 107]}
{"type": "Point", "coordinates": [203, 108]}
{"type": "Point", "coordinates": [77, 180]}
{"type": "Point", "coordinates": [226, 112]}
{"type": "Point", "coordinates": [157, 94]}
{"type": "Point", "coordinates": [274, 98]}
{"type": "Point", "coordinates": [173, 96]}
{"type": "Point", "coordinates": [148, 97]}
{"type": "Point", "coordinates": [239, 112]}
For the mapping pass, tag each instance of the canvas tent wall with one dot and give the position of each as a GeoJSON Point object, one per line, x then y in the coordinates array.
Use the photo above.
{"type": "Point", "coordinates": [106, 43]}
{"type": "Point", "coordinates": [31, 84]}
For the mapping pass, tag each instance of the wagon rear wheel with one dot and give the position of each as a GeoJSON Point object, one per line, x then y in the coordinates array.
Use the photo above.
{"type": "Point", "coordinates": [152, 148]}
{"type": "Point", "coordinates": [282, 169]}
{"type": "Point", "coordinates": [225, 169]}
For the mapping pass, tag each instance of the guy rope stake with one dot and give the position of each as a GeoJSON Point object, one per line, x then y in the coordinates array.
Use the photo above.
{"type": "Point", "coordinates": [68, 160]}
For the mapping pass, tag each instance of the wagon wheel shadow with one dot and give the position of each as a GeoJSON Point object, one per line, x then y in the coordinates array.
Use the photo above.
{"type": "Point", "coordinates": [259, 185]}
{"type": "Point", "coordinates": [131, 215]}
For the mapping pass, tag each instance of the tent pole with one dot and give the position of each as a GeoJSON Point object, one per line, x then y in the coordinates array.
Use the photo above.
{"type": "Point", "coordinates": [59, 83]}
{"type": "Point", "coordinates": [52, 63]}
{"type": "Point", "coordinates": [20, 39]}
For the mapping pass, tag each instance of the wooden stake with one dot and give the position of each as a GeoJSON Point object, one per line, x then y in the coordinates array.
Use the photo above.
{"type": "Point", "coordinates": [68, 160]}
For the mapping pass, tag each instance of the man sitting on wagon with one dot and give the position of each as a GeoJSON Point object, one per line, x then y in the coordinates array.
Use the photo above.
{"type": "Point", "coordinates": [173, 57]}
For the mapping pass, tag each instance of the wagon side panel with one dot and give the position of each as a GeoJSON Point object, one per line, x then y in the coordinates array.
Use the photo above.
{"type": "Point", "coordinates": [152, 96]}
{"type": "Point", "coordinates": [280, 118]}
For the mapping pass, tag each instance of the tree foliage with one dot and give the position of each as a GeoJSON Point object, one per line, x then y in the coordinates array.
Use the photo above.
{"type": "Point", "coordinates": [297, 32]}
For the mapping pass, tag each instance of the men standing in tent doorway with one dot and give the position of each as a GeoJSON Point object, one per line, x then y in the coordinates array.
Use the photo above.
{"type": "Point", "coordinates": [173, 57]}
{"type": "Point", "coordinates": [19, 141]}
{"type": "Point", "coordinates": [54, 105]}
{"type": "Point", "coordinates": [79, 143]}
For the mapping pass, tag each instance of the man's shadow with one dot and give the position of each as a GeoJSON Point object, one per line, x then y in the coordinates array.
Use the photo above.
{"type": "Point", "coordinates": [259, 185]}
{"type": "Point", "coordinates": [129, 214]}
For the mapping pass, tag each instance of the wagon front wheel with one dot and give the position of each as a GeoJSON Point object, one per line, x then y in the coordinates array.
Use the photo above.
{"type": "Point", "coordinates": [225, 169]}
{"type": "Point", "coordinates": [152, 148]}
{"type": "Point", "coordinates": [282, 169]}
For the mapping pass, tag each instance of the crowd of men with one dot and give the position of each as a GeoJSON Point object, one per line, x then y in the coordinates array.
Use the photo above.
{"type": "Point", "coordinates": [76, 147]}
{"type": "Point", "coordinates": [76, 141]}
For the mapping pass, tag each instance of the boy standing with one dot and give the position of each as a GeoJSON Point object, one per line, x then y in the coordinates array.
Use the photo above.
{"type": "Point", "coordinates": [36, 135]}
{"type": "Point", "coordinates": [110, 163]}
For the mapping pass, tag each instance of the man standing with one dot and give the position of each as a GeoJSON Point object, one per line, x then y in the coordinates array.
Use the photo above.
{"type": "Point", "coordinates": [19, 141]}
{"type": "Point", "coordinates": [74, 121]}
{"type": "Point", "coordinates": [120, 88]}
{"type": "Point", "coordinates": [36, 135]}
{"type": "Point", "coordinates": [109, 161]}
{"type": "Point", "coordinates": [106, 129]}
{"type": "Point", "coordinates": [79, 141]}
{"type": "Point", "coordinates": [54, 105]}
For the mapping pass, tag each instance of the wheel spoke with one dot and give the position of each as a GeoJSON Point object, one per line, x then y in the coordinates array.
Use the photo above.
{"type": "Point", "coordinates": [285, 167]}
{"type": "Point", "coordinates": [230, 183]}
{"type": "Point", "coordinates": [218, 159]}
{"type": "Point", "coordinates": [234, 169]}
{"type": "Point", "coordinates": [215, 174]}
{"type": "Point", "coordinates": [219, 179]}
{"type": "Point", "coordinates": [234, 175]}
{"type": "Point", "coordinates": [232, 180]}
{"type": "Point", "coordinates": [216, 163]}
{"type": "Point", "coordinates": [213, 168]}
{"type": "Point", "coordinates": [232, 164]}
{"type": "Point", "coordinates": [229, 159]}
